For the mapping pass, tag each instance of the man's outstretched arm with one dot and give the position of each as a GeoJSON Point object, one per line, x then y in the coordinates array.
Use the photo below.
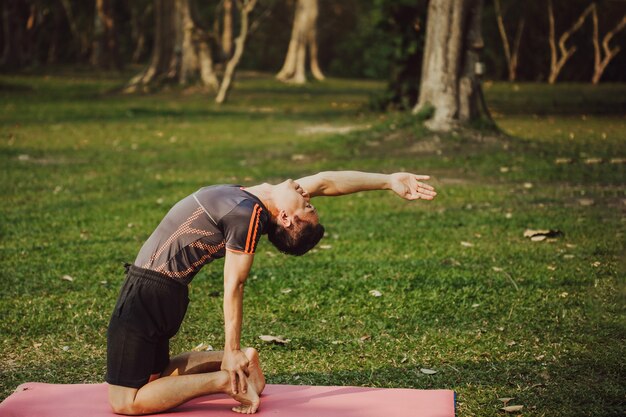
{"type": "Point", "coordinates": [335, 183]}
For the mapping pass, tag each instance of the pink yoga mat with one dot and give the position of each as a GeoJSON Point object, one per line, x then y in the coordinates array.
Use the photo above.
{"type": "Point", "coordinates": [90, 400]}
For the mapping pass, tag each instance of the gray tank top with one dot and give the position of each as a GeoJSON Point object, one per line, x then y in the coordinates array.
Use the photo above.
{"type": "Point", "coordinates": [201, 227]}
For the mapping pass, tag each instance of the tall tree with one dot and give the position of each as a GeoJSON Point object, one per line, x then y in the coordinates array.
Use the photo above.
{"type": "Point", "coordinates": [510, 55]}
{"type": "Point", "coordinates": [557, 62]}
{"type": "Point", "coordinates": [104, 52]}
{"type": "Point", "coordinates": [600, 63]}
{"type": "Point", "coordinates": [303, 36]}
{"type": "Point", "coordinates": [182, 49]}
{"type": "Point", "coordinates": [227, 30]}
{"type": "Point", "coordinates": [449, 84]}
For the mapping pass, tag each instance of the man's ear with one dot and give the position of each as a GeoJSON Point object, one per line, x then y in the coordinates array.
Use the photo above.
{"type": "Point", "coordinates": [283, 219]}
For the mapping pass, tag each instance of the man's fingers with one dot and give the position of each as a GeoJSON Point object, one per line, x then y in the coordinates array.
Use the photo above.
{"type": "Point", "coordinates": [424, 185]}
{"type": "Point", "coordinates": [233, 382]}
{"type": "Point", "coordinates": [243, 382]}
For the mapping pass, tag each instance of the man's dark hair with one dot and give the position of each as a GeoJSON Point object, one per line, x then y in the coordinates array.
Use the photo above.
{"type": "Point", "coordinates": [297, 240]}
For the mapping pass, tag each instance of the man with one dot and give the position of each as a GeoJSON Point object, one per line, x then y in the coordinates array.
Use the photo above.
{"type": "Point", "coordinates": [218, 221]}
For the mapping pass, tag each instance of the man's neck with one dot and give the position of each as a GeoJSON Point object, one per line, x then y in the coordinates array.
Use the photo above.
{"type": "Point", "coordinates": [264, 192]}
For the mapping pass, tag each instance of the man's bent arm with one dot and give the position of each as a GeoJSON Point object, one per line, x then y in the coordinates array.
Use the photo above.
{"type": "Point", "coordinates": [336, 183]}
{"type": "Point", "coordinates": [236, 269]}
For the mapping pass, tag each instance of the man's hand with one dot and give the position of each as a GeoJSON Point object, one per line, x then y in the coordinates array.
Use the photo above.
{"type": "Point", "coordinates": [235, 362]}
{"type": "Point", "coordinates": [408, 186]}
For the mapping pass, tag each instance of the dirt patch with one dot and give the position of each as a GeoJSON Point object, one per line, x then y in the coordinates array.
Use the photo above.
{"type": "Point", "coordinates": [329, 129]}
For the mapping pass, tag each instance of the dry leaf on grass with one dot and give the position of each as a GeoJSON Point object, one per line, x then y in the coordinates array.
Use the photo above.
{"type": "Point", "coordinates": [506, 400]}
{"type": "Point", "coordinates": [67, 278]}
{"type": "Point", "coordinates": [376, 293]}
{"type": "Point", "coordinates": [537, 235]}
{"type": "Point", "coordinates": [512, 408]}
{"type": "Point", "coordinates": [467, 244]}
{"type": "Point", "coordinates": [202, 347]}
{"type": "Point", "coordinates": [428, 371]}
{"type": "Point", "coordinates": [274, 339]}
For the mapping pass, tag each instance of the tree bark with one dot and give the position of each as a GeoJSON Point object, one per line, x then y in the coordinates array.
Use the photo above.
{"type": "Point", "coordinates": [449, 84]}
{"type": "Point", "coordinates": [303, 35]}
{"type": "Point", "coordinates": [180, 52]}
{"type": "Point", "coordinates": [104, 53]}
{"type": "Point", "coordinates": [556, 62]}
{"type": "Point", "coordinates": [245, 6]}
{"type": "Point", "coordinates": [511, 57]}
{"type": "Point", "coordinates": [227, 30]}
{"type": "Point", "coordinates": [600, 63]}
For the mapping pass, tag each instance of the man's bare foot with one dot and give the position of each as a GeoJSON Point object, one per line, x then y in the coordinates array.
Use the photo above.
{"type": "Point", "coordinates": [250, 401]}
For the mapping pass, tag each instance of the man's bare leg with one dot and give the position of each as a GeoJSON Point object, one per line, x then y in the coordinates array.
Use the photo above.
{"type": "Point", "coordinates": [188, 376]}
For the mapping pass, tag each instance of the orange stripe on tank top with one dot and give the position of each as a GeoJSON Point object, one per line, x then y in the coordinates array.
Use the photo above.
{"type": "Point", "coordinates": [250, 226]}
{"type": "Point", "coordinates": [256, 228]}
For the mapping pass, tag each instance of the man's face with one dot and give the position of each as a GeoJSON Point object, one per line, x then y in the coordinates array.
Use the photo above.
{"type": "Point", "coordinates": [295, 201]}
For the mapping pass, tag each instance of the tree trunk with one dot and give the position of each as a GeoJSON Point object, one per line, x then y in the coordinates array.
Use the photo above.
{"type": "Point", "coordinates": [600, 63]}
{"type": "Point", "coordinates": [180, 52]}
{"type": "Point", "coordinates": [227, 30]}
{"type": "Point", "coordinates": [303, 35]}
{"type": "Point", "coordinates": [556, 62]}
{"type": "Point", "coordinates": [104, 53]}
{"type": "Point", "coordinates": [449, 83]}
{"type": "Point", "coordinates": [511, 57]}
{"type": "Point", "coordinates": [245, 6]}
{"type": "Point", "coordinates": [139, 19]}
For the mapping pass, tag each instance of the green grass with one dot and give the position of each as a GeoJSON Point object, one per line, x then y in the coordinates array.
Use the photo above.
{"type": "Point", "coordinates": [87, 174]}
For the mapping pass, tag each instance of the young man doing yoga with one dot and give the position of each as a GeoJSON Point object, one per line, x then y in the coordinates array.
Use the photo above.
{"type": "Point", "coordinates": [214, 222]}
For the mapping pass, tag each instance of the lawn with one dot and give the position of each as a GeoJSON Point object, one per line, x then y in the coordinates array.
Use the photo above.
{"type": "Point", "coordinates": [87, 174]}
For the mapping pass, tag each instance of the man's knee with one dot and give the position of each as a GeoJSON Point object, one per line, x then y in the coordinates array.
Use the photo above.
{"type": "Point", "coordinates": [122, 400]}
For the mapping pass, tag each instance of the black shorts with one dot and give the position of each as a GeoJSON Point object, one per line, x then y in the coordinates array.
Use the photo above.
{"type": "Point", "coordinates": [148, 312]}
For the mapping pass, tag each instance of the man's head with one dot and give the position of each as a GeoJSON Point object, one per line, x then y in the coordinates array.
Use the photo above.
{"type": "Point", "coordinates": [296, 229]}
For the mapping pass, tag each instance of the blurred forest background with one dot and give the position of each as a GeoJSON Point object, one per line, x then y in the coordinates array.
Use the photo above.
{"type": "Point", "coordinates": [378, 39]}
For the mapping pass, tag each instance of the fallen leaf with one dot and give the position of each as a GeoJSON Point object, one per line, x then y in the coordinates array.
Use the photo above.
{"type": "Point", "coordinates": [325, 246]}
{"type": "Point", "coordinates": [528, 185]}
{"type": "Point", "coordinates": [534, 234]}
{"type": "Point", "coordinates": [37, 345]}
{"type": "Point", "coordinates": [67, 278]}
{"type": "Point", "coordinates": [274, 339]}
{"type": "Point", "coordinates": [475, 305]}
{"type": "Point", "coordinates": [561, 161]}
{"type": "Point", "coordinates": [585, 202]}
{"type": "Point", "coordinates": [506, 400]}
{"type": "Point", "coordinates": [404, 359]}
{"type": "Point", "coordinates": [285, 290]}
{"type": "Point", "coordinates": [65, 348]}
{"type": "Point", "coordinates": [596, 264]}
{"type": "Point", "coordinates": [504, 169]}
{"type": "Point", "coordinates": [428, 371]}
{"type": "Point", "coordinates": [364, 338]}
{"type": "Point", "coordinates": [376, 293]}
{"type": "Point", "coordinates": [202, 347]}
{"type": "Point", "coordinates": [467, 244]}
{"type": "Point", "coordinates": [512, 408]}
{"type": "Point", "coordinates": [497, 269]}
{"type": "Point", "coordinates": [593, 161]}
{"type": "Point", "coordinates": [568, 256]}
{"type": "Point", "coordinates": [618, 161]}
